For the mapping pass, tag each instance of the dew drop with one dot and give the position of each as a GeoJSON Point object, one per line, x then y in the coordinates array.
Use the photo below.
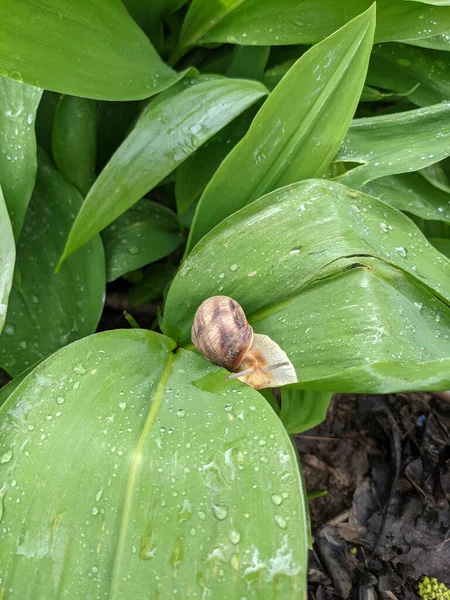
{"type": "Point", "coordinates": [276, 499]}
{"type": "Point", "coordinates": [280, 521]}
{"type": "Point", "coordinates": [220, 512]}
{"type": "Point", "coordinates": [6, 457]}
{"type": "Point", "coordinates": [235, 537]}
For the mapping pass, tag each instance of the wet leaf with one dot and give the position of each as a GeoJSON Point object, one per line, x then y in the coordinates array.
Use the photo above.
{"type": "Point", "coordinates": [82, 48]}
{"type": "Point", "coordinates": [149, 16]}
{"type": "Point", "coordinates": [7, 259]}
{"type": "Point", "coordinates": [18, 106]}
{"type": "Point", "coordinates": [170, 129]}
{"type": "Point", "coordinates": [147, 471]}
{"type": "Point", "coordinates": [412, 193]}
{"type": "Point", "coordinates": [396, 143]}
{"type": "Point", "coordinates": [345, 284]}
{"type": "Point", "coordinates": [289, 141]}
{"type": "Point", "coordinates": [249, 62]}
{"type": "Point", "coordinates": [143, 234]}
{"type": "Point", "coordinates": [47, 311]}
{"type": "Point", "coordinates": [74, 141]}
{"type": "Point", "coordinates": [303, 409]}
{"type": "Point", "coordinates": [421, 74]}
{"type": "Point", "coordinates": [264, 22]}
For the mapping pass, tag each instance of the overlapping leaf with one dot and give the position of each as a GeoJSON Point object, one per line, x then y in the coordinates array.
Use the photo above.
{"type": "Point", "coordinates": [264, 22]}
{"type": "Point", "coordinates": [18, 106]}
{"type": "Point", "coordinates": [47, 311]}
{"type": "Point", "coordinates": [170, 129]}
{"type": "Point", "coordinates": [82, 48]}
{"type": "Point", "coordinates": [422, 74]}
{"type": "Point", "coordinates": [396, 143]}
{"type": "Point", "coordinates": [289, 141]}
{"type": "Point", "coordinates": [144, 234]}
{"type": "Point", "coordinates": [412, 193]}
{"type": "Point", "coordinates": [7, 258]}
{"type": "Point", "coordinates": [74, 141]}
{"type": "Point", "coordinates": [303, 409]}
{"type": "Point", "coordinates": [348, 286]}
{"type": "Point", "coordinates": [152, 464]}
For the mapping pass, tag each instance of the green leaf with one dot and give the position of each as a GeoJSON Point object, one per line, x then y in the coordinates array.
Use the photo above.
{"type": "Point", "coordinates": [435, 42]}
{"type": "Point", "coordinates": [396, 143]}
{"type": "Point", "coordinates": [269, 23]}
{"type": "Point", "coordinates": [401, 68]}
{"type": "Point", "coordinates": [170, 129]}
{"type": "Point", "coordinates": [149, 16]}
{"type": "Point", "coordinates": [249, 62]}
{"type": "Point", "coordinates": [143, 234]}
{"type": "Point", "coordinates": [289, 141]}
{"type": "Point", "coordinates": [345, 284]}
{"type": "Point", "coordinates": [74, 141]}
{"type": "Point", "coordinates": [442, 245]}
{"type": "Point", "coordinates": [49, 311]}
{"type": "Point", "coordinates": [412, 193]}
{"type": "Point", "coordinates": [44, 120]}
{"type": "Point", "coordinates": [303, 409]}
{"type": "Point", "coordinates": [7, 259]}
{"type": "Point", "coordinates": [193, 175]}
{"type": "Point", "coordinates": [161, 479]}
{"type": "Point", "coordinates": [18, 106]}
{"type": "Point", "coordinates": [156, 279]}
{"type": "Point", "coordinates": [82, 48]}
{"type": "Point", "coordinates": [114, 122]}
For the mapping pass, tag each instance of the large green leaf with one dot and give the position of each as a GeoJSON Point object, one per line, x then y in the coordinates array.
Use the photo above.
{"type": "Point", "coordinates": [303, 409]}
{"type": "Point", "coordinates": [74, 141]}
{"type": "Point", "coordinates": [18, 106]}
{"type": "Point", "coordinates": [396, 143]}
{"type": "Point", "coordinates": [80, 47]}
{"type": "Point", "coordinates": [161, 480]}
{"type": "Point", "coordinates": [170, 129]}
{"type": "Point", "coordinates": [347, 285]}
{"type": "Point", "coordinates": [265, 22]}
{"type": "Point", "coordinates": [47, 311]}
{"type": "Point", "coordinates": [144, 234]}
{"type": "Point", "coordinates": [149, 16]}
{"type": "Point", "coordinates": [293, 136]}
{"type": "Point", "coordinates": [412, 193]}
{"type": "Point", "coordinates": [402, 68]}
{"type": "Point", "coordinates": [7, 259]}
{"type": "Point", "coordinates": [435, 42]}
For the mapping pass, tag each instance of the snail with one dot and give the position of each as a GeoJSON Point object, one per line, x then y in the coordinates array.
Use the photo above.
{"type": "Point", "coordinates": [223, 335]}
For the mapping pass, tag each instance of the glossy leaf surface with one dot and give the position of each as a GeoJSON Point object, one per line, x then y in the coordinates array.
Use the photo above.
{"type": "Point", "coordinates": [74, 141]}
{"type": "Point", "coordinates": [18, 106]}
{"type": "Point", "coordinates": [265, 22]}
{"type": "Point", "coordinates": [161, 479]}
{"type": "Point", "coordinates": [47, 311]}
{"type": "Point", "coordinates": [345, 284]}
{"type": "Point", "coordinates": [170, 129]}
{"type": "Point", "coordinates": [289, 141]}
{"type": "Point", "coordinates": [303, 409]}
{"type": "Point", "coordinates": [80, 47]}
{"type": "Point", "coordinates": [412, 193]}
{"type": "Point", "coordinates": [7, 259]}
{"type": "Point", "coordinates": [144, 234]}
{"type": "Point", "coordinates": [396, 143]}
{"type": "Point", "coordinates": [422, 74]}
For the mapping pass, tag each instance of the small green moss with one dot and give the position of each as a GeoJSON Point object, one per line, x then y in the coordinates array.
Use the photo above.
{"type": "Point", "coordinates": [430, 589]}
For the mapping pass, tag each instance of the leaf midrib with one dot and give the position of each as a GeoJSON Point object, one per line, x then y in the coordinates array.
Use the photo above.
{"type": "Point", "coordinates": [135, 464]}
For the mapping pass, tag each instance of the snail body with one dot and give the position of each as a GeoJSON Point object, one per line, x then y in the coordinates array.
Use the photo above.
{"type": "Point", "coordinates": [223, 335]}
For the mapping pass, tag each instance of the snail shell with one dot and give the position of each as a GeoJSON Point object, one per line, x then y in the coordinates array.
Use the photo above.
{"type": "Point", "coordinates": [221, 332]}
{"type": "Point", "coordinates": [223, 335]}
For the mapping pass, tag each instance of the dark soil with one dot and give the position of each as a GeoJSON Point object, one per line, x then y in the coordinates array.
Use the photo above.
{"type": "Point", "coordinates": [385, 521]}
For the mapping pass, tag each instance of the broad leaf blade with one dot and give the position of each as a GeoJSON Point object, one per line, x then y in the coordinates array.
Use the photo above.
{"type": "Point", "coordinates": [47, 311]}
{"type": "Point", "coordinates": [396, 143]}
{"type": "Point", "coordinates": [298, 261]}
{"type": "Point", "coordinates": [303, 409]}
{"type": "Point", "coordinates": [164, 468]}
{"type": "Point", "coordinates": [82, 48]}
{"type": "Point", "coordinates": [18, 106]}
{"type": "Point", "coordinates": [142, 235]}
{"type": "Point", "coordinates": [7, 259]}
{"type": "Point", "coordinates": [265, 22]}
{"type": "Point", "coordinates": [412, 193]}
{"type": "Point", "coordinates": [422, 74]}
{"type": "Point", "coordinates": [171, 128]}
{"type": "Point", "coordinates": [289, 141]}
{"type": "Point", "coordinates": [74, 141]}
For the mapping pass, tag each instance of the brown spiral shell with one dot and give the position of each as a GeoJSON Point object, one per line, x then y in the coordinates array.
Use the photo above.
{"type": "Point", "coordinates": [221, 332]}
